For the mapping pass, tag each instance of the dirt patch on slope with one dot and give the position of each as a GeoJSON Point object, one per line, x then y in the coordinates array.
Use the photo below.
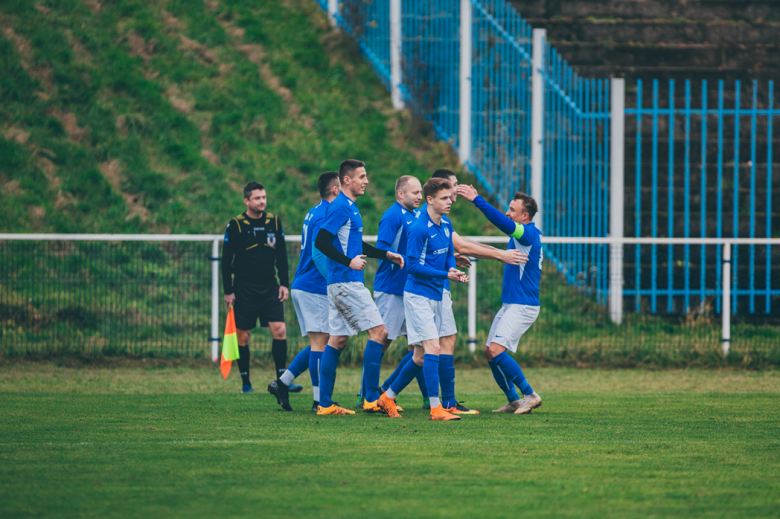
{"type": "Point", "coordinates": [112, 172]}
{"type": "Point", "coordinates": [23, 47]}
{"type": "Point", "coordinates": [68, 120]}
{"type": "Point", "coordinates": [201, 51]}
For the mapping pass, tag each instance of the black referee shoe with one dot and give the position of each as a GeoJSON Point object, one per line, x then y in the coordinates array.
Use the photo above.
{"type": "Point", "coordinates": [282, 394]}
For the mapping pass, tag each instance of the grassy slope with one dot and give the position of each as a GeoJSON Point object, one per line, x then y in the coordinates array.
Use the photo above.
{"type": "Point", "coordinates": [627, 445]}
{"type": "Point", "coordinates": [150, 116]}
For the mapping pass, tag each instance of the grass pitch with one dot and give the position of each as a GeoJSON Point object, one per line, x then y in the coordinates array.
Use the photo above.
{"type": "Point", "coordinates": [154, 441]}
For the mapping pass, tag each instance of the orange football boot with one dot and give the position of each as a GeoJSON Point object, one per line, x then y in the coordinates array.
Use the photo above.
{"type": "Point", "coordinates": [439, 413]}
{"type": "Point", "coordinates": [388, 406]}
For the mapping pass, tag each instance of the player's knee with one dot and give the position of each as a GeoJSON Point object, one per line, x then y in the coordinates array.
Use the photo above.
{"type": "Point", "coordinates": [488, 355]}
{"type": "Point", "coordinates": [418, 356]}
{"type": "Point", "coordinates": [338, 342]}
{"type": "Point", "coordinates": [243, 337]}
{"type": "Point", "coordinates": [278, 330]}
{"type": "Point", "coordinates": [379, 334]}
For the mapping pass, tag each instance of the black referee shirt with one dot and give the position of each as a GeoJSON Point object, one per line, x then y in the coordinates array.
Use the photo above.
{"type": "Point", "coordinates": [254, 251]}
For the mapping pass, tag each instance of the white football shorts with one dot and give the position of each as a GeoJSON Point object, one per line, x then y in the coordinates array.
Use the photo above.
{"type": "Point", "coordinates": [351, 309]}
{"type": "Point", "coordinates": [447, 317]}
{"type": "Point", "coordinates": [311, 310]}
{"type": "Point", "coordinates": [510, 323]}
{"type": "Point", "coordinates": [423, 318]}
{"type": "Point", "coordinates": [391, 308]}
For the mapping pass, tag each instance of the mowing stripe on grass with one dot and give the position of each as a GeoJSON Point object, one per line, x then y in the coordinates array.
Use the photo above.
{"type": "Point", "coordinates": [415, 442]}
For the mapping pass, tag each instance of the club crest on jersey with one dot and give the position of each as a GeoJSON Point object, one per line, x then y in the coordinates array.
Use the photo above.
{"type": "Point", "coordinates": [271, 239]}
{"type": "Point", "coordinates": [447, 232]}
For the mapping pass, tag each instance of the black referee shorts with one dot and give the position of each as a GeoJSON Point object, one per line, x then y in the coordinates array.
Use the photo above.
{"type": "Point", "coordinates": [253, 303]}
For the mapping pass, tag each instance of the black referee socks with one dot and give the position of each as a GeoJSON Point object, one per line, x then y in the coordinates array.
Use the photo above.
{"type": "Point", "coordinates": [279, 353]}
{"type": "Point", "coordinates": [243, 364]}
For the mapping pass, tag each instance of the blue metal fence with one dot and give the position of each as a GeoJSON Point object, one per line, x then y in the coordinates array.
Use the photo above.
{"type": "Point", "coordinates": [699, 196]}
{"type": "Point", "coordinates": [691, 195]}
{"type": "Point", "coordinates": [576, 172]}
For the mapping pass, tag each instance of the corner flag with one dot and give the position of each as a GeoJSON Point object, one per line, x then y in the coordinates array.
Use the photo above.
{"type": "Point", "coordinates": [229, 344]}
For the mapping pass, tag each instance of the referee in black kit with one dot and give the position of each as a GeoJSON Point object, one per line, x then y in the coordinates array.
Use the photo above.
{"type": "Point", "coordinates": [253, 254]}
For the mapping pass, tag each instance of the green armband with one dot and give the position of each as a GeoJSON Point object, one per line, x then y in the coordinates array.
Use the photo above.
{"type": "Point", "coordinates": [519, 230]}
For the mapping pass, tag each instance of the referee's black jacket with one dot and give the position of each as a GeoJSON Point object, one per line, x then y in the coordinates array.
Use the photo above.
{"type": "Point", "coordinates": [252, 248]}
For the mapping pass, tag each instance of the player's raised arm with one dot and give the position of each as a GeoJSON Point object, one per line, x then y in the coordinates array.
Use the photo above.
{"type": "Point", "coordinates": [504, 224]}
{"type": "Point", "coordinates": [468, 247]}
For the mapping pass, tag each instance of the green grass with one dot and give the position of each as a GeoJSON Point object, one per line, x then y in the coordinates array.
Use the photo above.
{"type": "Point", "coordinates": [166, 440]}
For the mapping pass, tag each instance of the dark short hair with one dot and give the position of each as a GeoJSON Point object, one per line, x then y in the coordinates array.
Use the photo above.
{"type": "Point", "coordinates": [443, 173]}
{"type": "Point", "coordinates": [435, 185]}
{"type": "Point", "coordinates": [348, 166]}
{"type": "Point", "coordinates": [325, 182]}
{"type": "Point", "coordinates": [529, 204]}
{"type": "Point", "coordinates": [252, 186]}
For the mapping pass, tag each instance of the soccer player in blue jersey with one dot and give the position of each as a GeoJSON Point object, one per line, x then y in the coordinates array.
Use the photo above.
{"type": "Point", "coordinates": [464, 248]}
{"type": "Point", "coordinates": [390, 278]}
{"type": "Point", "coordinates": [431, 258]}
{"type": "Point", "coordinates": [519, 295]}
{"type": "Point", "coordinates": [310, 298]}
{"type": "Point", "coordinates": [350, 306]}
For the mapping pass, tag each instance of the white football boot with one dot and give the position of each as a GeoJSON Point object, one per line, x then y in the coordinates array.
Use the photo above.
{"type": "Point", "coordinates": [529, 403]}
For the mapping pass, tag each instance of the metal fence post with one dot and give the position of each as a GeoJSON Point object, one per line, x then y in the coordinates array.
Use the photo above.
{"type": "Point", "coordinates": [726, 308]}
{"type": "Point", "coordinates": [333, 10]}
{"type": "Point", "coordinates": [473, 306]}
{"type": "Point", "coordinates": [616, 199]}
{"type": "Point", "coordinates": [395, 54]}
{"type": "Point", "coordinates": [464, 123]}
{"type": "Point", "coordinates": [537, 121]}
{"type": "Point", "coordinates": [215, 300]}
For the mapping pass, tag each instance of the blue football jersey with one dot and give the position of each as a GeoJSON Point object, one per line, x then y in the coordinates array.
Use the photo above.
{"type": "Point", "coordinates": [430, 246]}
{"type": "Point", "coordinates": [444, 218]}
{"type": "Point", "coordinates": [307, 277]}
{"type": "Point", "coordinates": [393, 231]}
{"type": "Point", "coordinates": [344, 222]}
{"type": "Point", "coordinates": [521, 282]}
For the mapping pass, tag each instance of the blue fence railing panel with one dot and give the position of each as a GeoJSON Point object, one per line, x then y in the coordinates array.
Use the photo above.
{"type": "Point", "coordinates": [729, 205]}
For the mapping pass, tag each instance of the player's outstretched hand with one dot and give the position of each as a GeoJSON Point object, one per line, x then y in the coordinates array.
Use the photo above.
{"type": "Point", "coordinates": [457, 276]}
{"type": "Point", "coordinates": [284, 293]}
{"type": "Point", "coordinates": [229, 300]}
{"type": "Point", "coordinates": [462, 261]}
{"type": "Point", "coordinates": [358, 263]}
{"type": "Point", "coordinates": [467, 192]}
{"type": "Point", "coordinates": [513, 257]}
{"type": "Point", "coordinates": [396, 258]}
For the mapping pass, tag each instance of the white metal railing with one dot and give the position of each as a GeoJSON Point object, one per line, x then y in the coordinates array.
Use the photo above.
{"type": "Point", "coordinates": [616, 268]}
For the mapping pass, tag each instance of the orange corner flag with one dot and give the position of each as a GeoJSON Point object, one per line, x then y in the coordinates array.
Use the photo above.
{"type": "Point", "coordinates": [229, 344]}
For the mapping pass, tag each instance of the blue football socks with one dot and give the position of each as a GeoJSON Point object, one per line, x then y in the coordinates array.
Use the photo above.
{"type": "Point", "coordinates": [511, 369]}
{"type": "Point", "coordinates": [447, 380]}
{"type": "Point", "coordinates": [431, 372]}
{"type": "Point", "coordinates": [503, 382]}
{"type": "Point", "coordinates": [372, 361]}
{"type": "Point", "coordinates": [421, 383]}
{"type": "Point", "coordinates": [315, 359]}
{"type": "Point", "coordinates": [330, 359]}
{"type": "Point", "coordinates": [301, 362]}
{"type": "Point", "coordinates": [394, 374]}
{"type": "Point", "coordinates": [404, 378]}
